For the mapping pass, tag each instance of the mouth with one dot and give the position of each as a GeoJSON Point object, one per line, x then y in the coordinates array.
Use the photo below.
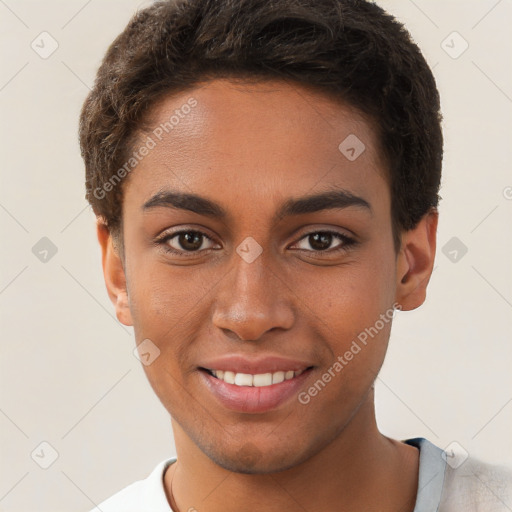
{"type": "Point", "coordinates": [253, 393]}
{"type": "Point", "coordinates": [255, 380]}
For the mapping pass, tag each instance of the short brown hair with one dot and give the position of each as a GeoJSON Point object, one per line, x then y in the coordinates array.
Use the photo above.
{"type": "Point", "coordinates": [351, 49]}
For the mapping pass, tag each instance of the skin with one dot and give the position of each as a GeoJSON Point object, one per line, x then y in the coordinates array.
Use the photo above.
{"type": "Point", "coordinates": [250, 148]}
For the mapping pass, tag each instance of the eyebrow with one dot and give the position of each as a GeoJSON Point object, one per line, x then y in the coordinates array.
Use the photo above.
{"type": "Point", "coordinates": [332, 199]}
{"type": "Point", "coordinates": [185, 201]}
{"type": "Point", "coordinates": [329, 200]}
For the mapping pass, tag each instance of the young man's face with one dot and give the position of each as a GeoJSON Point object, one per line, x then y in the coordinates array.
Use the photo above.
{"type": "Point", "coordinates": [326, 273]}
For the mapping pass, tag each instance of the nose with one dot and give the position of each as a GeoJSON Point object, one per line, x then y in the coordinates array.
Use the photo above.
{"type": "Point", "coordinates": [252, 300]}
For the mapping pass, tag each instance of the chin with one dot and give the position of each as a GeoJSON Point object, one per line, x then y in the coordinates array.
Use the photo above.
{"type": "Point", "coordinates": [250, 460]}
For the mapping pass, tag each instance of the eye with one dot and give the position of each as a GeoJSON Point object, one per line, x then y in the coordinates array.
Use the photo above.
{"type": "Point", "coordinates": [321, 241]}
{"type": "Point", "coordinates": [186, 241]}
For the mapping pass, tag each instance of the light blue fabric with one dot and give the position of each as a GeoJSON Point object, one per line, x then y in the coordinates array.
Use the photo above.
{"type": "Point", "coordinates": [431, 475]}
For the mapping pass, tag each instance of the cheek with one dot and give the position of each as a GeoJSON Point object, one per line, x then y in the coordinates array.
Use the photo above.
{"type": "Point", "coordinates": [164, 307]}
{"type": "Point", "coordinates": [160, 312]}
{"type": "Point", "coordinates": [346, 299]}
{"type": "Point", "coordinates": [352, 309]}
{"type": "Point", "coordinates": [355, 326]}
{"type": "Point", "coordinates": [164, 299]}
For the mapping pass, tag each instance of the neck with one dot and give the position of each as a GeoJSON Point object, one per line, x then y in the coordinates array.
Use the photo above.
{"type": "Point", "coordinates": [360, 469]}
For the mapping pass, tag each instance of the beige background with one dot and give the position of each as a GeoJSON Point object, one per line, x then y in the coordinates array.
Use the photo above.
{"type": "Point", "coordinates": [68, 374]}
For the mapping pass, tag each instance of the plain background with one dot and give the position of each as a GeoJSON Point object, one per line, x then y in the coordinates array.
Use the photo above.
{"type": "Point", "coordinates": [68, 374]}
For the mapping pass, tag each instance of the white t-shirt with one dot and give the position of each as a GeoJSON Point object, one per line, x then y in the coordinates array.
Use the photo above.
{"type": "Point", "coordinates": [447, 482]}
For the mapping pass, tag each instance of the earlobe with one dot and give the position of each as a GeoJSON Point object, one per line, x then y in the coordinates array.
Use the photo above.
{"type": "Point", "coordinates": [415, 262]}
{"type": "Point", "coordinates": [114, 274]}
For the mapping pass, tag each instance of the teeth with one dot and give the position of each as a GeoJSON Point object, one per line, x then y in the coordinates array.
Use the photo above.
{"type": "Point", "coordinates": [243, 379]}
{"type": "Point", "coordinates": [228, 377]}
{"type": "Point", "coordinates": [277, 377]}
{"type": "Point", "coordinates": [259, 380]}
{"type": "Point", "coordinates": [262, 379]}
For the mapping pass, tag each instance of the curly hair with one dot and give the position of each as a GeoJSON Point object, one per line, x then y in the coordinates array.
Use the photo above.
{"type": "Point", "coordinates": [348, 49]}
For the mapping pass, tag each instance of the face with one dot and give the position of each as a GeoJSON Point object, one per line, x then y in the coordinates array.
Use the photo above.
{"type": "Point", "coordinates": [255, 245]}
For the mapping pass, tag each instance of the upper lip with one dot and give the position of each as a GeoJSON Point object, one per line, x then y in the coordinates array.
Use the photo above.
{"type": "Point", "coordinates": [256, 365]}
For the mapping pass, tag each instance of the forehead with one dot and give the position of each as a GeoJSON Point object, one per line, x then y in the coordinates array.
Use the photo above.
{"type": "Point", "coordinates": [263, 141]}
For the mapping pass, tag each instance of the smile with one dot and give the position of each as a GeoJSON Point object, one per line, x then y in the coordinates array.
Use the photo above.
{"type": "Point", "coordinates": [253, 392]}
{"type": "Point", "coordinates": [255, 380]}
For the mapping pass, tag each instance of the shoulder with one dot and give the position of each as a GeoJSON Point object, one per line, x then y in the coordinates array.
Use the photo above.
{"type": "Point", "coordinates": [477, 486]}
{"type": "Point", "coordinates": [450, 481]}
{"type": "Point", "coordinates": [140, 495]}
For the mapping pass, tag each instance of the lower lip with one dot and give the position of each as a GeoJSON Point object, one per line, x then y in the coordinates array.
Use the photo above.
{"type": "Point", "coordinates": [251, 399]}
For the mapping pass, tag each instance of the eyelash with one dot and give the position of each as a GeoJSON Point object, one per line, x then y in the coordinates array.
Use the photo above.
{"type": "Point", "coordinates": [347, 242]}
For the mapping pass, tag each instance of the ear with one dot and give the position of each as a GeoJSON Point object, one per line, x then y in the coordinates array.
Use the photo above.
{"type": "Point", "coordinates": [415, 262]}
{"type": "Point", "coordinates": [114, 275]}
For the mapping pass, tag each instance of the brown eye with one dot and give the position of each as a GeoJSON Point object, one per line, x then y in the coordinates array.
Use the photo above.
{"type": "Point", "coordinates": [190, 241]}
{"type": "Point", "coordinates": [321, 241]}
{"type": "Point", "coordinates": [187, 241]}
